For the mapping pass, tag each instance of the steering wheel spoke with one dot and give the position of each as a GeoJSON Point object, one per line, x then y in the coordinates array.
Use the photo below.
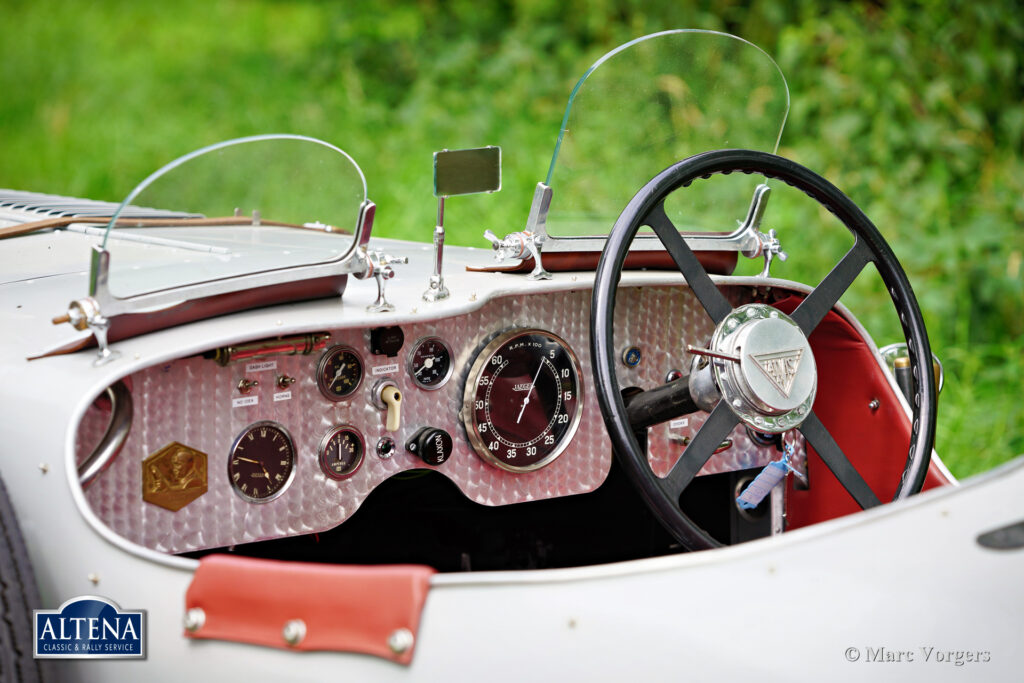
{"type": "Point", "coordinates": [700, 282]}
{"type": "Point", "coordinates": [711, 434]}
{"type": "Point", "coordinates": [820, 438]}
{"type": "Point", "coordinates": [827, 294]}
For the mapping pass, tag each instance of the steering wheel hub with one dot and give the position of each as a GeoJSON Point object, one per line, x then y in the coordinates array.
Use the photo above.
{"type": "Point", "coordinates": [772, 380]}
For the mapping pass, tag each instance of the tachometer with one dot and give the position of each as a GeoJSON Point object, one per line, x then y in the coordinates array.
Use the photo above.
{"type": "Point", "coordinates": [522, 402]}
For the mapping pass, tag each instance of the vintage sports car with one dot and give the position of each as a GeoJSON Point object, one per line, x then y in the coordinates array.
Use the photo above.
{"type": "Point", "coordinates": [606, 446]}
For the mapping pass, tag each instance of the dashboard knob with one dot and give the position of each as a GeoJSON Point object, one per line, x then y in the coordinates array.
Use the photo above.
{"type": "Point", "coordinates": [431, 444]}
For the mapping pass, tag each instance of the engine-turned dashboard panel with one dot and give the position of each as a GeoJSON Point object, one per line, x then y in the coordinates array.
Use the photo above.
{"type": "Point", "coordinates": [225, 451]}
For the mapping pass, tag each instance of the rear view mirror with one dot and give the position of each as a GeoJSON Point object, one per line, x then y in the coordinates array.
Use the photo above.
{"type": "Point", "coordinates": [467, 171]}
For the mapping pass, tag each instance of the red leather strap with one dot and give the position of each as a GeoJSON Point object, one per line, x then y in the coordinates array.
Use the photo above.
{"type": "Point", "coordinates": [343, 608]}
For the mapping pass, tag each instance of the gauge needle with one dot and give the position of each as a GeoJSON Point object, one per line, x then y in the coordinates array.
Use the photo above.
{"type": "Point", "coordinates": [428, 362]}
{"type": "Point", "coordinates": [337, 374]}
{"type": "Point", "coordinates": [254, 462]}
{"type": "Point", "coordinates": [529, 391]}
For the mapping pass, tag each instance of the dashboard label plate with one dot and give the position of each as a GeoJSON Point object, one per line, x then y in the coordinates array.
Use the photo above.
{"type": "Point", "coordinates": [243, 401]}
{"type": "Point", "coordinates": [265, 366]}
{"type": "Point", "coordinates": [385, 369]}
{"type": "Point", "coordinates": [282, 396]}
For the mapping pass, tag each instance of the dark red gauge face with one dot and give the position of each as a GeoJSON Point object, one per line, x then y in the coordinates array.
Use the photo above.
{"type": "Point", "coordinates": [523, 400]}
{"type": "Point", "coordinates": [339, 372]}
{"type": "Point", "coordinates": [430, 364]}
{"type": "Point", "coordinates": [262, 462]}
{"type": "Point", "coordinates": [341, 452]}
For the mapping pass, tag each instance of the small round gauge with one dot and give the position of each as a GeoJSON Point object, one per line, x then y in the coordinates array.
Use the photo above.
{"type": "Point", "coordinates": [341, 452]}
{"type": "Point", "coordinates": [430, 363]}
{"type": "Point", "coordinates": [262, 462]}
{"type": "Point", "coordinates": [522, 402]}
{"type": "Point", "coordinates": [339, 372]}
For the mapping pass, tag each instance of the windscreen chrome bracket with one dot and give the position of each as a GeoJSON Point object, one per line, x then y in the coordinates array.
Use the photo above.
{"type": "Point", "coordinates": [767, 244]}
{"type": "Point", "coordinates": [527, 243]}
{"type": "Point", "coordinates": [381, 271]}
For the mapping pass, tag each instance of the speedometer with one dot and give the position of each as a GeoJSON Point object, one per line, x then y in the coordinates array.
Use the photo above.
{"type": "Point", "coordinates": [522, 402]}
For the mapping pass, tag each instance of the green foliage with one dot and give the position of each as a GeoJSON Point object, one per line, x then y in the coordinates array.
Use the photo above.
{"type": "Point", "coordinates": [914, 109]}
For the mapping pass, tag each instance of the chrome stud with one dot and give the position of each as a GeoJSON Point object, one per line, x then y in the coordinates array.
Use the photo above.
{"type": "Point", "coordinates": [294, 632]}
{"type": "Point", "coordinates": [194, 620]}
{"type": "Point", "coordinates": [401, 640]}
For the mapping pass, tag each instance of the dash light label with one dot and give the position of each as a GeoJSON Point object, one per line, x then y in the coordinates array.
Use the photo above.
{"type": "Point", "coordinates": [89, 627]}
{"type": "Point", "coordinates": [261, 367]}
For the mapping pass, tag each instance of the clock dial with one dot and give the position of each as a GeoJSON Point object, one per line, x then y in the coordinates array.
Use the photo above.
{"type": "Point", "coordinates": [262, 462]}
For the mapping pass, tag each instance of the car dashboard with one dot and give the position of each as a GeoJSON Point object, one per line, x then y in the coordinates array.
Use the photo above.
{"type": "Point", "coordinates": [182, 481]}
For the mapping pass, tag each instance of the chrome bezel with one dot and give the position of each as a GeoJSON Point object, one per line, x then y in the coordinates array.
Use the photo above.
{"type": "Point", "coordinates": [468, 414]}
{"type": "Point", "coordinates": [321, 452]}
{"type": "Point", "coordinates": [291, 472]}
{"type": "Point", "coordinates": [412, 355]}
{"type": "Point", "coordinates": [329, 353]}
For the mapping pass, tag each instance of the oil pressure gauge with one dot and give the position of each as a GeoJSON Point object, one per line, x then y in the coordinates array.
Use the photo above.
{"type": "Point", "coordinates": [430, 363]}
{"type": "Point", "coordinates": [522, 402]}
{"type": "Point", "coordinates": [339, 372]}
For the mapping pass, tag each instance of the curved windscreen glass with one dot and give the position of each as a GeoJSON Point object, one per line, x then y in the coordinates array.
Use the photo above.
{"type": "Point", "coordinates": [655, 101]}
{"type": "Point", "coordinates": [235, 208]}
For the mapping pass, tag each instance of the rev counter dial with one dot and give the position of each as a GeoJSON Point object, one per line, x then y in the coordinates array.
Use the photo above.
{"type": "Point", "coordinates": [522, 402]}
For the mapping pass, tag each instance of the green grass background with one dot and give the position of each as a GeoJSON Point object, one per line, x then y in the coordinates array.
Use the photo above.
{"type": "Point", "coordinates": [914, 109]}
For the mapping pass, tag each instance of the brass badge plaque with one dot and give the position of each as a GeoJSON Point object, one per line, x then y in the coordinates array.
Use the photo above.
{"type": "Point", "coordinates": [174, 476]}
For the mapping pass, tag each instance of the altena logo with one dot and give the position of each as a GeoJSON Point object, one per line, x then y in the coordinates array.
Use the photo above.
{"type": "Point", "coordinates": [89, 627]}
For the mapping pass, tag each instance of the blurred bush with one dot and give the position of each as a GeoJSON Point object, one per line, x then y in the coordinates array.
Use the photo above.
{"type": "Point", "coordinates": [915, 109]}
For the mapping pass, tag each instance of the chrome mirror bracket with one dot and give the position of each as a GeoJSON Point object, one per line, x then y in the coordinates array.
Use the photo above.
{"type": "Point", "coordinates": [436, 290]}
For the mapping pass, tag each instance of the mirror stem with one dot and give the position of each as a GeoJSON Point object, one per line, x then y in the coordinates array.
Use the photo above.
{"type": "Point", "coordinates": [437, 291]}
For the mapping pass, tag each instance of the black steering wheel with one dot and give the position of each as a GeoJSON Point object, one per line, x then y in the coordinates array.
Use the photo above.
{"type": "Point", "coordinates": [744, 337]}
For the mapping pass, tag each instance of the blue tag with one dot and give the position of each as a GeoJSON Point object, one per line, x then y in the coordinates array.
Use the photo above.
{"type": "Point", "coordinates": [763, 483]}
